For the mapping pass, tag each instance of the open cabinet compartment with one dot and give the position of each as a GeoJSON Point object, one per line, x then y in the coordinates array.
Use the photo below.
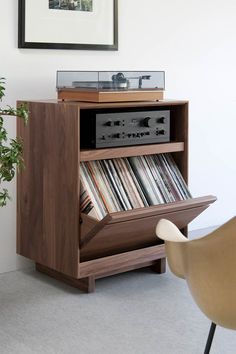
{"type": "Point", "coordinates": [133, 229]}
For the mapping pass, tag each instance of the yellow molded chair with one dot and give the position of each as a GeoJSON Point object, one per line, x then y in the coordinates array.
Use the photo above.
{"type": "Point", "coordinates": [209, 266]}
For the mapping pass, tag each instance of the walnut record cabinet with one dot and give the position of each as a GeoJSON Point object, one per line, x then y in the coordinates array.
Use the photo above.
{"type": "Point", "coordinates": [51, 231]}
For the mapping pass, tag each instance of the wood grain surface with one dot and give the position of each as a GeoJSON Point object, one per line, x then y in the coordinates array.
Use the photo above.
{"type": "Point", "coordinates": [48, 204]}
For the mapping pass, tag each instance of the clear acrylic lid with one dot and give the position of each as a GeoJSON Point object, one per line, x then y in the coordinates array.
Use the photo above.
{"type": "Point", "coordinates": [111, 80]}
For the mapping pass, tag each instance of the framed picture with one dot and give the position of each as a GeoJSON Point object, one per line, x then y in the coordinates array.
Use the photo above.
{"type": "Point", "coordinates": [68, 24]}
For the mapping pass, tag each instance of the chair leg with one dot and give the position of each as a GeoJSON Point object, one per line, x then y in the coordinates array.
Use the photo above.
{"type": "Point", "coordinates": [210, 338]}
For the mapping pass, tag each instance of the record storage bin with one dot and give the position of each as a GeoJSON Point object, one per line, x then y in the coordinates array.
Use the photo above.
{"type": "Point", "coordinates": [51, 231]}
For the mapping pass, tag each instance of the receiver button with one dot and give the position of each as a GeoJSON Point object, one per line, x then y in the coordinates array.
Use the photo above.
{"type": "Point", "coordinates": [109, 123]}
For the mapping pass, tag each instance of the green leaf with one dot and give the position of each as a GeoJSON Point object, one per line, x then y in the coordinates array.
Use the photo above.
{"type": "Point", "coordinates": [11, 150]}
{"type": "Point", "coordinates": [4, 196]}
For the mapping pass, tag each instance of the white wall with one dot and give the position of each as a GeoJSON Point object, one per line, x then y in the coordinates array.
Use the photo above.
{"type": "Point", "coordinates": [193, 41]}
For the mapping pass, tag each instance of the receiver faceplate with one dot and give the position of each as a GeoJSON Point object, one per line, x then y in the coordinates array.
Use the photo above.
{"type": "Point", "coordinates": [126, 128]}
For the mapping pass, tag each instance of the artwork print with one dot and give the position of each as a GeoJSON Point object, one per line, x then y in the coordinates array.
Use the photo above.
{"type": "Point", "coordinates": [79, 5]}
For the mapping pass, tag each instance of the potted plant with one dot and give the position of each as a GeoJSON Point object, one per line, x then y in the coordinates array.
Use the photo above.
{"type": "Point", "coordinates": [10, 149]}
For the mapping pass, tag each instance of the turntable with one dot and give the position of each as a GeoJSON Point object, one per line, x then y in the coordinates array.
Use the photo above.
{"type": "Point", "coordinates": [111, 86]}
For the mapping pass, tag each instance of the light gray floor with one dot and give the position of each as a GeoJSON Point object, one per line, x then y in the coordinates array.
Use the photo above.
{"type": "Point", "coordinates": [138, 312]}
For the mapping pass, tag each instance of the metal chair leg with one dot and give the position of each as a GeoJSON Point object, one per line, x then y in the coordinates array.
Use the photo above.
{"type": "Point", "coordinates": [210, 338]}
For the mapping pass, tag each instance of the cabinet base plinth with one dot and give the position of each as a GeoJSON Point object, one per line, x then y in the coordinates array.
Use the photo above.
{"type": "Point", "coordinates": [159, 266]}
{"type": "Point", "coordinates": [85, 284]}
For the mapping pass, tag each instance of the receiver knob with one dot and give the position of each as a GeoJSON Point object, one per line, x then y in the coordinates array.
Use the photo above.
{"type": "Point", "coordinates": [149, 122]}
{"type": "Point", "coordinates": [161, 120]}
{"type": "Point", "coordinates": [162, 132]}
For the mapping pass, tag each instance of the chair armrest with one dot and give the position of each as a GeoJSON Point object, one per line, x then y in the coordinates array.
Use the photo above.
{"type": "Point", "coordinates": [167, 231]}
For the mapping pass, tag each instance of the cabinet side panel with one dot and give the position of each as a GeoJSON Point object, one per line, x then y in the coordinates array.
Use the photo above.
{"type": "Point", "coordinates": [48, 187]}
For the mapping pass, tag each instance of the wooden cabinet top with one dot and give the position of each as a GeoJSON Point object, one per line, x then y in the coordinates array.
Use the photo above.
{"type": "Point", "coordinates": [91, 105]}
